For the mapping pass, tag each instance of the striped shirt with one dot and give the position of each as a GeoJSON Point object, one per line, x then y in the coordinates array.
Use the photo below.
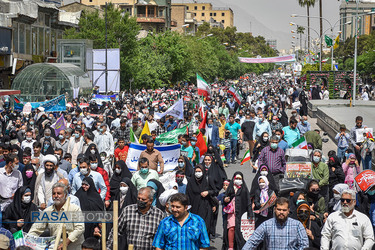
{"type": "Point", "coordinates": [192, 235]}
{"type": "Point", "coordinates": [275, 160]}
{"type": "Point", "coordinates": [290, 235]}
{"type": "Point", "coordinates": [139, 228]}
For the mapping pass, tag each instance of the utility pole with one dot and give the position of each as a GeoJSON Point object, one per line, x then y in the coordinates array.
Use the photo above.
{"type": "Point", "coordinates": [355, 53]}
{"type": "Point", "coordinates": [106, 54]}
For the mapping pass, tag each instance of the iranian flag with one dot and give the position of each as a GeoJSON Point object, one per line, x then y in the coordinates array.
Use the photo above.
{"type": "Point", "coordinates": [300, 143]}
{"type": "Point", "coordinates": [246, 157]}
{"type": "Point", "coordinates": [203, 88]}
{"type": "Point", "coordinates": [235, 94]}
{"type": "Point", "coordinates": [222, 157]}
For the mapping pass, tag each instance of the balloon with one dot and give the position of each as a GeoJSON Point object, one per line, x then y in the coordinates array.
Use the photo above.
{"type": "Point", "coordinates": [222, 147]}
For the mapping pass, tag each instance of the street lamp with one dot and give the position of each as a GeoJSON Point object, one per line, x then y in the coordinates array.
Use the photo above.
{"type": "Point", "coordinates": [206, 36]}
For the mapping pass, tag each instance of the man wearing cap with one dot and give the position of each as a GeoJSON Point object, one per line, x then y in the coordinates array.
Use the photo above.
{"type": "Point", "coordinates": [45, 181]}
{"type": "Point", "coordinates": [47, 135]}
{"type": "Point", "coordinates": [343, 140]}
{"type": "Point", "coordinates": [10, 181]}
{"type": "Point", "coordinates": [104, 140]}
{"type": "Point", "coordinates": [6, 239]}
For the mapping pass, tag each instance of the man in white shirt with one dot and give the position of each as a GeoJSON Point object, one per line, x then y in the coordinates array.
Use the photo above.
{"type": "Point", "coordinates": [348, 228]}
{"type": "Point", "coordinates": [104, 140]}
{"type": "Point", "coordinates": [28, 143]}
{"type": "Point", "coordinates": [10, 181]}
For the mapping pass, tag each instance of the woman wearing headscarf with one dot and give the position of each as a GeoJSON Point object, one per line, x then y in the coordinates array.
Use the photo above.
{"type": "Point", "coordinates": [120, 172]}
{"type": "Point", "coordinates": [313, 230]}
{"type": "Point", "coordinates": [263, 171]}
{"type": "Point", "coordinates": [316, 201]}
{"type": "Point", "coordinates": [215, 175]}
{"type": "Point", "coordinates": [260, 144]}
{"type": "Point", "coordinates": [201, 196]}
{"type": "Point", "coordinates": [262, 194]}
{"type": "Point", "coordinates": [215, 154]}
{"type": "Point", "coordinates": [303, 100]}
{"type": "Point", "coordinates": [29, 176]}
{"type": "Point", "coordinates": [159, 189]}
{"type": "Point", "coordinates": [351, 169]}
{"type": "Point", "coordinates": [184, 164]}
{"type": "Point", "coordinates": [20, 210]}
{"type": "Point", "coordinates": [335, 204]}
{"type": "Point", "coordinates": [90, 200]}
{"type": "Point", "coordinates": [93, 150]}
{"type": "Point", "coordinates": [47, 148]}
{"type": "Point", "coordinates": [237, 202]}
{"type": "Point", "coordinates": [336, 174]}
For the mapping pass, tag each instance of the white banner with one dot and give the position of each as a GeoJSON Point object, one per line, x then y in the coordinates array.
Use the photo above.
{"type": "Point", "coordinates": [176, 110]}
{"type": "Point", "coordinates": [359, 133]}
{"type": "Point", "coordinates": [170, 154]}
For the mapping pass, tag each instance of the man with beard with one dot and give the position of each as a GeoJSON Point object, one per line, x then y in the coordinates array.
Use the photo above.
{"type": "Point", "coordinates": [181, 221]}
{"type": "Point", "coordinates": [348, 228]}
{"type": "Point", "coordinates": [279, 232]}
{"type": "Point", "coordinates": [74, 231]}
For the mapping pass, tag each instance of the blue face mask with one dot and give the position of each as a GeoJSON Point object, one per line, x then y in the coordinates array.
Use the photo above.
{"type": "Point", "coordinates": [47, 136]}
{"type": "Point", "coordinates": [346, 155]}
{"type": "Point", "coordinates": [193, 143]}
{"type": "Point", "coordinates": [299, 201]}
{"type": "Point", "coordinates": [371, 192]}
{"type": "Point", "coordinates": [209, 125]}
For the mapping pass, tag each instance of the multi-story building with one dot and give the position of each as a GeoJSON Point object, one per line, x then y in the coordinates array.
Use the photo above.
{"type": "Point", "coordinates": [366, 23]}
{"type": "Point", "coordinates": [150, 14]}
{"type": "Point", "coordinates": [272, 43]}
{"type": "Point", "coordinates": [203, 12]}
{"type": "Point", "coordinates": [35, 27]}
{"type": "Point", "coordinates": [185, 21]}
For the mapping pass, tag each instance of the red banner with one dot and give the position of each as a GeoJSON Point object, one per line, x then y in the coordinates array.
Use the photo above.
{"type": "Point", "coordinates": [365, 180]}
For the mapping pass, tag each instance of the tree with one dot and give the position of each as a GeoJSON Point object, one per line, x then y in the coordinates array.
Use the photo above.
{"type": "Point", "coordinates": [307, 4]}
{"type": "Point", "coordinates": [300, 31]}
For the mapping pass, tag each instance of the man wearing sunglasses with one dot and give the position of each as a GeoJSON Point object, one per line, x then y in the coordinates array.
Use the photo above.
{"type": "Point", "coordinates": [348, 228]}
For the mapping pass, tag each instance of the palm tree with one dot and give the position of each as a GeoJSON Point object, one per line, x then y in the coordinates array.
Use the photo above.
{"type": "Point", "coordinates": [308, 4]}
{"type": "Point", "coordinates": [300, 31]}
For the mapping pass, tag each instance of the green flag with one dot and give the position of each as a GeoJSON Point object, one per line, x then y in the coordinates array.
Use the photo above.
{"type": "Point", "coordinates": [133, 138]}
{"type": "Point", "coordinates": [328, 41]}
{"type": "Point", "coordinates": [171, 136]}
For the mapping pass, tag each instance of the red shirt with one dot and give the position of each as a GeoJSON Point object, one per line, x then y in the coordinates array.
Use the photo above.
{"type": "Point", "coordinates": [121, 154]}
{"type": "Point", "coordinates": [106, 181]}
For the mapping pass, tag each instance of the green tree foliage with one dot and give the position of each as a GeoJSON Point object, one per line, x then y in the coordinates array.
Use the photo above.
{"type": "Point", "coordinates": [163, 59]}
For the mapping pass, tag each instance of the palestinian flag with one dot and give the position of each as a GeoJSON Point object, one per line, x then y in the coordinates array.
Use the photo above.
{"type": "Point", "coordinates": [246, 157]}
{"type": "Point", "coordinates": [203, 88]}
{"type": "Point", "coordinates": [16, 100]}
{"type": "Point", "coordinates": [235, 94]}
{"type": "Point", "coordinates": [300, 143]}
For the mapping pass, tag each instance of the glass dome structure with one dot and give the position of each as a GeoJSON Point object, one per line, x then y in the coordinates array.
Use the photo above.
{"type": "Point", "coordinates": [39, 80]}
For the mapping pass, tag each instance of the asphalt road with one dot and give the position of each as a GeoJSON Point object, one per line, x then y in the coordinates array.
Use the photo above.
{"type": "Point", "coordinates": [216, 243]}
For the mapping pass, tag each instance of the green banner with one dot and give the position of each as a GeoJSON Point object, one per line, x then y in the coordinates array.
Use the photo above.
{"type": "Point", "coordinates": [328, 40]}
{"type": "Point", "coordinates": [171, 136]}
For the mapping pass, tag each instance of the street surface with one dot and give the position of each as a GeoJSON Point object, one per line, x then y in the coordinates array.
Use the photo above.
{"type": "Point", "coordinates": [249, 176]}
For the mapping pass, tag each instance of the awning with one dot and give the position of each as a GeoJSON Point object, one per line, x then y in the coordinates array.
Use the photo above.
{"type": "Point", "coordinates": [9, 92]}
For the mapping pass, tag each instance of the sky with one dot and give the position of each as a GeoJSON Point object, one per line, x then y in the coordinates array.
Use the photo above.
{"type": "Point", "coordinates": [271, 18]}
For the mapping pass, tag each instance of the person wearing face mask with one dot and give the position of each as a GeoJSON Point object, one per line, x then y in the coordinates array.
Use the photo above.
{"type": "Point", "coordinates": [247, 129]}
{"type": "Point", "coordinates": [170, 124]}
{"type": "Point", "coordinates": [153, 155]}
{"type": "Point", "coordinates": [181, 181]}
{"type": "Point", "coordinates": [291, 133]}
{"type": "Point", "coordinates": [316, 202]}
{"type": "Point", "coordinates": [62, 142]}
{"type": "Point", "coordinates": [132, 221]}
{"type": "Point", "coordinates": [29, 141]}
{"type": "Point", "coordinates": [337, 234]}
{"type": "Point", "coordinates": [202, 197]}
{"type": "Point", "coordinates": [144, 174]}
{"type": "Point", "coordinates": [263, 171]}
{"type": "Point", "coordinates": [47, 136]}
{"type": "Point", "coordinates": [88, 139]}
{"type": "Point", "coordinates": [97, 167]}
{"type": "Point", "coordinates": [159, 189]}
{"type": "Point", "coordinates": [88, 120]}
{"type": "Point", "coordinates": [335, 204]}
{"type": "Point", "coordinates": [120, 171]}
{"type": "Point", "coordinates": [29, 176]}
{"type": "Point", "coordinates": [90, 200]}
{"type": "Point", "coordinates": [274, 158]}
{"type": "Point", "coordinates": [212, 133]}
{"type": "Point", "coordinates": [45, 181]}
{"type": "Point", "coordinates": [303, 125]}
{"type": "Point", "coordinates": [105, 141]}
{"type": "Point", "coordinates": [85, 171]}
{"type": "Point", "coordinates": [187, 150]}
{"type": "Point", "coordinates": [275, 124]}
{"type": "Point", "coordinates": [351, 168]}
{"type": "Point", "coordinates": [260, 127]}
{"type": "Point", "coordinates": [260, 145]}
{"type": "Point", "coordinates": [63, 164]}
{"type": "Point", "coordinates": [20, 210]}
{"type": "Point", "coordinates": [235, 130]}
{"type": "Point", "coordinates": [236, 203]}
{"type": "Point", "coordinates": [336, 174]}
{"type": "Point", "coordinates": [9, 175]}
{"type": "Point", "coordinates": [261, 196]}
{"type": "Point", "coordinates": [75, 145]}
{"type": "Point", "coordinates": [74, 231]}
{"type": "Point", "coordinates": [311, 227]}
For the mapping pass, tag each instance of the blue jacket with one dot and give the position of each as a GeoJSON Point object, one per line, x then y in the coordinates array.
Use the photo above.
{"type": "Point", "coordinates": [215, 139]}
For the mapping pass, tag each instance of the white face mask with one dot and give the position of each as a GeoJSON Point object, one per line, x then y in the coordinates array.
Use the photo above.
{"type": "Point", "coordinates": [198, 174]}
{"type": "Point", "coordinates": [26, 199]}
{"type": "Point", "coordinates": [238, 182]}
{"type": "Point", "coordinates": [94, 166]}
{"type": "Point", "coordinates": [83, 171]}
{"type": "Point", "coordinates": [124, 190]}
{"type": "Point", "coordinates": [92, 151]}
{"type": "Point", "coordinates": [263, 173]}
{"type": "Point", "coordinates": [118, 170]}
{"type": "Point", "coordinates": [102, 158]}
{"type": "Point", "coordinates": [262, 185]}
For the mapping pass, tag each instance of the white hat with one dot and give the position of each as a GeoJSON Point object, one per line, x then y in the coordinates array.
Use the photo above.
{"type": "Point", "coordinates": [49, 158]}
{"type": "Point", "coordinates": [41, 109]}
